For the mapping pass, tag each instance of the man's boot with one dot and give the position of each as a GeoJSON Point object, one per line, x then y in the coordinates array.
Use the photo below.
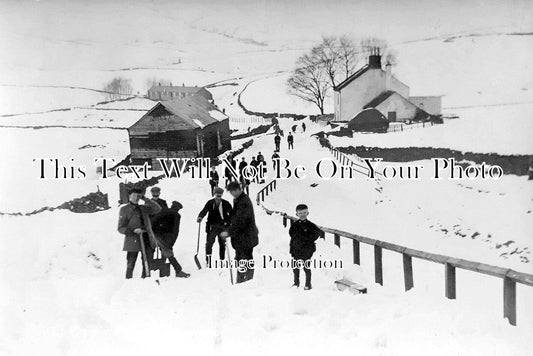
{"type": "Point", "coordinates": [296, 272]}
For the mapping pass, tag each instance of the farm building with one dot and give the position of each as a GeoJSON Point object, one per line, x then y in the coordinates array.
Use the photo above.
{"type": "Point", "coordinates": [369, 120]}
{"type": "Point", "coordinates": [180, 128]}
{"type": "Point", "coordinates": [170, 92]}
{"type": "Point", "coordinates": [373, 87]}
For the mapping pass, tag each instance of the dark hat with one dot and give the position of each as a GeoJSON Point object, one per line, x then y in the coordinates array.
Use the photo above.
{"type": "Point", "coordinates": [301, 207]}
{"type": "Point", "coordinates": [233, 186]}
{"type": "Point", "coordinates": [176, 205]}
{"type": "Point", "coordinates": [155, 189]}
{"type": "Point", "coordinates": [135, 190]}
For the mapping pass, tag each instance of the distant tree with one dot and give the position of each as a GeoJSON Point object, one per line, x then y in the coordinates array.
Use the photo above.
{"type": "Point", "coordinates": [349, 56]}
{"type": "Point", "coordinates": [118, 88]}
{"type": "Point", "coordinates": [330, 62]}
{"type": "Point", "coordinates": [309, 81]}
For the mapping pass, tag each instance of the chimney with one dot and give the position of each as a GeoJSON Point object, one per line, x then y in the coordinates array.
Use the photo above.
{"type": "Point", "coordinates": [374, 60]}
{"type": "Point", "coordinates": [182, 84]}
{"type": "Point", "coordinates": [388, 75]}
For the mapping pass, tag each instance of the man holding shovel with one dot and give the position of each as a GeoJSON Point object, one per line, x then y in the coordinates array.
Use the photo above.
{"type": "Point", "coordinates": [218, 217]}
{"type": "Point", "coordinates": [132, 224]}
{"type": "Point", "coordinates": [243, 231]}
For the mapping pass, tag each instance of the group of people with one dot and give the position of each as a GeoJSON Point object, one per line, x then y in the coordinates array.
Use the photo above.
{"type": "Point", "coordinates": [154, 225]}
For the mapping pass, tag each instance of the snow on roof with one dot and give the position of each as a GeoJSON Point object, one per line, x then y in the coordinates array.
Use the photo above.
{"type": "Point", "coordinates": [199, 123]}
{"type": "Point", "coordinates": [185, 114]}
{"type": "Point", "coordinates": [217, 115]}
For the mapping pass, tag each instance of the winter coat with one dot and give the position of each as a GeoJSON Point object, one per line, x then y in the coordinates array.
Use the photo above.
{"type": "Point", "coordinates": [162, 203]}
{"type": "Point", "coordinates": [214, 178]}
{"type": "Point", "coordinates": [166, 228]}
{"type": "Point", "coordinates": [213, 214]}
{"type": "Point", "coordinates": [242, 228]}
{"type": "Point", "coordinates": [290, 138]}
{"type": "Point", "coordinates": [303, 236]}
{"type": "Point", "coordinates": [277, 139]}
{"type": "Point", "coordinates": [131, 217]}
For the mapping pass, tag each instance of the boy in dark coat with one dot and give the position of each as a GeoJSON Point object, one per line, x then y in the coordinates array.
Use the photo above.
{"type": "Point", "coordinates": [166, 227]}
{"type": "Point", "coordinates": [218, 213]}
{"type": "Point", "coordinates": [133, 222]}
{"type": "Point", "coordinates": [302, 246]}
{"type": "Point", "coordinates": [243, 231]}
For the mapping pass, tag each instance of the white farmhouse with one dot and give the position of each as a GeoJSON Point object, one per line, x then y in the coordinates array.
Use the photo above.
{"type": "Point", "coordinates": [373, 87]}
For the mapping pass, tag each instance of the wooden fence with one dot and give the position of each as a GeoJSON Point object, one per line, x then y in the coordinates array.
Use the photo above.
{"type": "Point", "coordinates": [510, 277]}
{"type": "Point", "coordinates": [405, 127]}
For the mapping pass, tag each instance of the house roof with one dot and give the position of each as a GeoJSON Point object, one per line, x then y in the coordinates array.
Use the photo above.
{"type": "Point", "coordinates": [352, 77]}
{"type": "Point", "coordinates": [379, 99]}
{"type": "Point", "coordinates": [175, 89]}
{"type": "Point", "coordinates": [185, 114]}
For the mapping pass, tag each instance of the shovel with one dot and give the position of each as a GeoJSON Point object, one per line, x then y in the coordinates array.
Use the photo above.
{"type": "Point", "coordinates": [196, 260]}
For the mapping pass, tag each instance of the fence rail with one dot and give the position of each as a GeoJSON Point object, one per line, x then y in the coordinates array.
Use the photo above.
{"type": "Point", "coordinates": [405, 127]}
{"type": "Point", "coordinates": [510, 277]}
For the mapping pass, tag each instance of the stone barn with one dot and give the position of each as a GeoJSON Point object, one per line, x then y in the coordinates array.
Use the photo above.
{"type": "Point", "coordinates": [180, 128]}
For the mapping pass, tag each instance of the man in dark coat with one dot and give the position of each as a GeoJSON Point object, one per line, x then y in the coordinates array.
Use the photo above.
{"type": "Point", "coordinates": [213, 179]}
{"type": "Point", "coordinates": [302, 245]}
{"type": "Point", "coordinates": [277, 141]}
{"type": "Point", "coordinates": [166, 227]}
{"type": "Point", "coordinates": [156, 192]}
{"type": "Point", "coordinates": [243, 231]}
{"type": "Point", "coordinates": [242, 165]}
{"type": "Point", "coordinates": [255, 163]}
{"type": "Point", "coordinates": [133, 222]}
{"type": "Point", "coordinates": [218, 213]}
{"type": "Point", "coordinates": [290, 141]}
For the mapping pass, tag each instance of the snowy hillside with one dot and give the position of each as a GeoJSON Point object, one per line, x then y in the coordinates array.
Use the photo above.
{"type": "Point", "coordinates": [61, 273]}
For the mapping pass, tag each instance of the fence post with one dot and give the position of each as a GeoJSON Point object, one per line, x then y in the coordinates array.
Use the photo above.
{"type": "Point", "coordinates": [262, 195]}
{"type": "Point", "coordinates": [378, 264]}
{"type": "Point", "coordinates": [337, 240]}
{"type": "Point", "coordinates": [284, 221]}
{"type": "Point", "coordinates": [322, 235]}
{"type": "Point", "coordinates": [275, 184]}
{"type": "Point", "coordinates": [356, 253]}
{"type": "Point", "coordinates": [450, 281]}
{"type": "Point", "coordinates": [408, 271]}
{"type": "Point", "coordinates": [509, 300]}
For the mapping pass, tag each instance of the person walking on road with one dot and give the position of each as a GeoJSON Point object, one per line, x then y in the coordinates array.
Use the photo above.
{"type": "Point", "coordinates": [290, 141]}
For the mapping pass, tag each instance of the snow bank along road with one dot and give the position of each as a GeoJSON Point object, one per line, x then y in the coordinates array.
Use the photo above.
{"type": "Point", "coordinates": [73, 288]}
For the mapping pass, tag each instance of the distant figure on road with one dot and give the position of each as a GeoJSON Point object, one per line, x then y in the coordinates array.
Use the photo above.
{"type": "Point", "coordinates": [303, 126]}
{"type": "Point", "coordinates": [277, 141]}
{"type": "Point", "coordinates": [213, 179]}
{"type": "Point", "coordinates": [290, 140]}
{"type": "Point", "coordinates": [242, 165]}
{"type": "Point", "coordinates": [275, 157]}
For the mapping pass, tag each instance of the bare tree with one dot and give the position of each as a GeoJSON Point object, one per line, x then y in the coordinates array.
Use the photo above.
{"type": "Point", "coordinates": [349, 56]}
{"type": "Point", "coordinates": [118, 88]}
{"type": "Point", "coordinates": [309, 81]}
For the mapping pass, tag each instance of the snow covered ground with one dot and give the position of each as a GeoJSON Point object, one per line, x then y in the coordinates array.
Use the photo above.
{"type": "Point", "coordinates": [62, 273]}
{"type": "Point", "coordinates": [74, 289]}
